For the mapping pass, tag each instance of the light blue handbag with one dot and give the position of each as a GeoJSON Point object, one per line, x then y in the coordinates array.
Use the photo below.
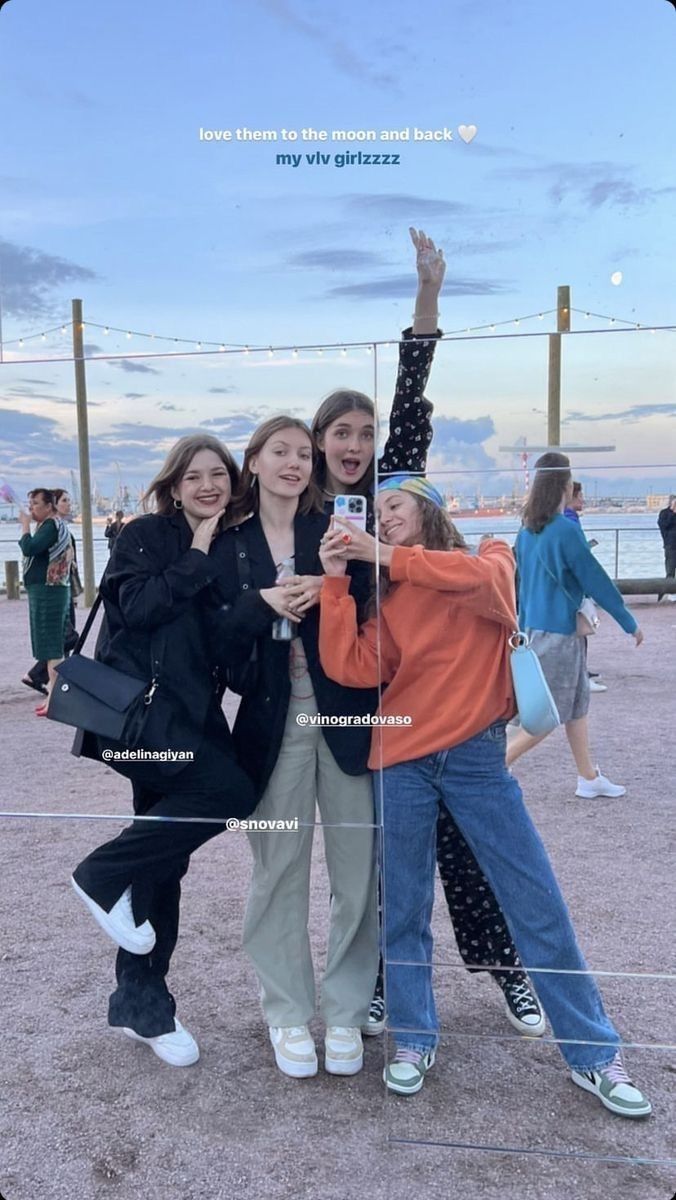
{"type": "Point", "coordinates": [538, 713]}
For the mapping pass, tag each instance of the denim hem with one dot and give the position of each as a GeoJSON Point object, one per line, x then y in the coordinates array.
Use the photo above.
{"type": "Point", "coordinates": [597, 1066]}
{"type": "Point", "coordinates": [419, 1047]}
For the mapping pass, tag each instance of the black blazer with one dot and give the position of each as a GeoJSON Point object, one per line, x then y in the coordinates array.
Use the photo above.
{"type": "Point", "coordinates": [245, 617]}
{"type": "Point", "coordinates": [156, 597]}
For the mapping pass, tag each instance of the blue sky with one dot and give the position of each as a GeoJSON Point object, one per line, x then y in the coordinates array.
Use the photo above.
{"type": "Point", "coordinates": [106, 192]}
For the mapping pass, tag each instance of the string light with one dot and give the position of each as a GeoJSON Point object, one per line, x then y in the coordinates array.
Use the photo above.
{"type": "Point", "coordinates": [466, 331]}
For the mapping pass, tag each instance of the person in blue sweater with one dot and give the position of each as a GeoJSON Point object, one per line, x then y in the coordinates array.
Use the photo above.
{"type": "Point", "coordinates": [556, 571]}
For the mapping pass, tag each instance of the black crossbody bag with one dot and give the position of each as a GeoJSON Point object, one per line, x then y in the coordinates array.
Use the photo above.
{"type": "Point", "coordinates": [100, 699]}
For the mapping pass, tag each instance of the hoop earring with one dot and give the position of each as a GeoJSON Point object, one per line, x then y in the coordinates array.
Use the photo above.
{"type": "Point", "coordinates": [178, 504]}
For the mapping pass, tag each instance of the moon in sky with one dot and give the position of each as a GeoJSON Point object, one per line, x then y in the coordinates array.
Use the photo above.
{"type": "Point", "coordinates": [616, 278]}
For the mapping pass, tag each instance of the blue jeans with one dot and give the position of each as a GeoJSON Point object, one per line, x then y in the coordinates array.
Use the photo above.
{"type": "Point", "coordinates": [485, 801]}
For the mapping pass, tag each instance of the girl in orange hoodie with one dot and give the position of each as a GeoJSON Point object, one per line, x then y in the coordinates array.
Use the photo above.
{"type": "Point", "coordinates": [441, 645]}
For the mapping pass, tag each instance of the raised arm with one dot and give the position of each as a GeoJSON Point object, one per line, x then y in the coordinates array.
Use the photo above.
{"type": "Point", "coordinates": [482, 582]}
{"type": "Point", "coordinates": [410, 431]}
{"type": "Point", "coordinates": [39, 542]}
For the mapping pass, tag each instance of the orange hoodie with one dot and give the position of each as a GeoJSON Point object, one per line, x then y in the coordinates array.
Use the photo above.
{"type": "Point", "coordinates": [444, 650]}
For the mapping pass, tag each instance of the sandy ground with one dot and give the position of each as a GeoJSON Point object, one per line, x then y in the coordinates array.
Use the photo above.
{"type": "Point", "coordinates": [87, 1113]}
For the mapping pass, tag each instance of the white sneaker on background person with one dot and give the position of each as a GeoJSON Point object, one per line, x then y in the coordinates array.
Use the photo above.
{"type": "Point", "coordinates": [589, 789]}
{"type": "Point", "coordinates": [595, 685]}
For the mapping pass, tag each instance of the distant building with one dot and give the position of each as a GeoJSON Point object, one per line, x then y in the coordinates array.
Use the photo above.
{"type": "Point", "coordinates": [655, 503]}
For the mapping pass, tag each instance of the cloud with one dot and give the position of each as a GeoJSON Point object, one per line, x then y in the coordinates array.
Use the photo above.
{"type": "Point", "coordinates": [336, 260]}
{"type": "Point", "coordinates": [343, 57]}
{"type": "Point", "coordinates": [223, 391]}
{"type": "Point", "coordinates": [132, 367]}
{"type": "Point", "coordinates": [453, 430]}
{"type": "Point", "coordinates": [166, 407]}
{"type": "Point", "coordinates": [91, 348]}
{"type": "Point", "coordinates": [28, 393]}
{"type": "Point", "coordinates": [30, 277]}
{"type": "Point", "coordinates": [403, 206]}
{"type": "Point", "coordinates": [638, 412]}
{"type": "Point", "coordinates": [594, 185]}
{"type": "Point", "coordinates": [135, 395]}
{"type": "Point", "coordinates": [235, 426]}
{"type": "Point", "coordinates": [399, 287]}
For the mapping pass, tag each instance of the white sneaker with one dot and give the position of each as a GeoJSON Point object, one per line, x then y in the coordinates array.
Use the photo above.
{"type": "Point", "coordinates": [589, 789]}
{"type": "Point", "coordinates": [295, 1052]}
{"type": "Point", "coordinates": [596, 686]}
{"type": "Point", "coordinates": [119, 923]}
{"type": "Point", "coordinates": [179, 1048]}
{"type": "Point", "coordinates": [344, 1050]}
{"type": "Point", "coordinates": [671, 598]}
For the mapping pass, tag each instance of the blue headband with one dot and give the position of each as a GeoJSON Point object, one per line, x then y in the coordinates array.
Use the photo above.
{"type": "Point", "coordinates": [416, 484]}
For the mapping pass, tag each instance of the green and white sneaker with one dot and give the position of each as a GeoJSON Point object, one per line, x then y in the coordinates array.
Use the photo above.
{"type": "Point", "coordinates": [406, 1073]}
{"type": "Point", "coordinates": [614, 1089]}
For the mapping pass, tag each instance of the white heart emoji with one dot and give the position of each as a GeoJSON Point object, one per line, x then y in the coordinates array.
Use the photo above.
{"type": "Point", "coordinates": [467, 132]}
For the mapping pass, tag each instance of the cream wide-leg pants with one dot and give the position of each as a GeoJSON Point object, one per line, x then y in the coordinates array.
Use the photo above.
{"type": "Point", "coordinates": [276, 922]}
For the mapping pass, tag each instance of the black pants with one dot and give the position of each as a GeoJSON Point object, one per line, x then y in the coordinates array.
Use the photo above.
{"type": "Point", "coordinates": [670, 562]}
{"type": "Point", "coordinates": [153, 857]}
{"type": "Point", "coordinates": [483, 938]}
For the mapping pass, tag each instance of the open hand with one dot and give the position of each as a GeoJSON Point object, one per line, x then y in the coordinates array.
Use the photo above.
{"type": "Point", "coordinates": [430, 262]}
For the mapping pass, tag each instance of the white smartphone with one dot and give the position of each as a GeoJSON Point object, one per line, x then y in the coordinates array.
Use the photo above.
{"type": "Point", "coordinates": [351, 510]}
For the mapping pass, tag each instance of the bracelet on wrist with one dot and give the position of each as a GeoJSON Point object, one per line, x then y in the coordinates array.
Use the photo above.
{"type": "Point", "coordinates": [426, 316]}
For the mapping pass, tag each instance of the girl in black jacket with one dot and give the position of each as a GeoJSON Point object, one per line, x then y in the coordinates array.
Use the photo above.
{"type": "Point", "coordinates": [156, 592]}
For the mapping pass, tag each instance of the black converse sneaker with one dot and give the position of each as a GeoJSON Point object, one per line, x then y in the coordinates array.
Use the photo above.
{"type": "Point", "coordinates": [522, 1006]}
{"type": "Point", "coordinates": [376, 1019]}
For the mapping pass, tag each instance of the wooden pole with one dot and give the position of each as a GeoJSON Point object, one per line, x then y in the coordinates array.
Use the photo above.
{"type": "Point", "coordinates": [83, 448]}
{"type": "Point", "coordinates": [554, 376]}
{"type": "Point", "coordinates": [12, 580]}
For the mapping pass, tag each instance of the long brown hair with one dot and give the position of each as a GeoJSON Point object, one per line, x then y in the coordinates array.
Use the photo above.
{"type": "Point", "coordinates": [158, 497]}
{"type": "Point", "coordinates": [246, 499]}
{"type": "Point", "coordinates": [437, 533]}
{"type": "Point", "coordinates": [333, 406]}
{"type": "Point", "coordinates": [552, 476]}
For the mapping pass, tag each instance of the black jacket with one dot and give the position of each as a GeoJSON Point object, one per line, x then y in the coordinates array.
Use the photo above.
{"type": "Point", "coordinates": [667, 523]}
{"type": "Point", "coordinates": [245, 617]}
{"type": "Point", "coordinates": [156, 597]}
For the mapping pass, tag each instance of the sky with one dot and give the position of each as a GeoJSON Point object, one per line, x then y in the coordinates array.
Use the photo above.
{"type": "Point", "coordinates": [108, 193]}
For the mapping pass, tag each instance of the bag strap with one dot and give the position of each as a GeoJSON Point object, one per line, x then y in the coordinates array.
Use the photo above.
{"type": "Point", "coordinates": [553, 576]}
{"type": "Point", "coordinates": [77, 648]}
